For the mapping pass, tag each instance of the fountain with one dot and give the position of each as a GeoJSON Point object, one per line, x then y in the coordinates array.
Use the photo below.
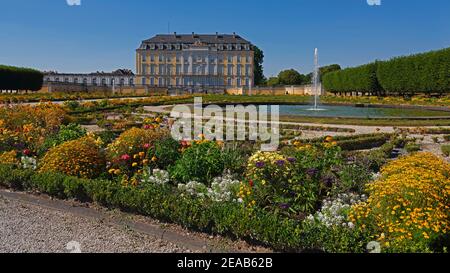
{"type": "Point", "coordinates": [316, 86]}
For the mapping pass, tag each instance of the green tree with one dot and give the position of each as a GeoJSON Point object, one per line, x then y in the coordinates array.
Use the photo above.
{"type": "Point", "coordinates": [260, 79]}
{"type": "Point", "coordinates": [323, 70]}
{"type": "Point", "coordinates": [273, 81]}
{"type": "Point", "coordinates": [329, 68]}
{"type": "Point", "coordinates": [291, 77]}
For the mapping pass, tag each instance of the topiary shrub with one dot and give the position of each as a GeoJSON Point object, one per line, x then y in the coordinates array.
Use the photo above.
{"type": "Point", "coordinates": [82, 158]}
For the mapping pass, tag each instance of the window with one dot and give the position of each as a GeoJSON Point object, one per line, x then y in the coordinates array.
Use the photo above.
{"type": "Point", "coordinates": [111, 81]}
{"type": "Point", "coordinates": [230, 83]}
{"type": "Point", "coordinates": [66, 80]}
{"type": "Point", "coordinates": [247, 70]}
{"type": "Point", "coordinates": [230, 58]}
{"type": "Point", "coordinates": [144, 69]}
{"type": "Point", "coordinates": [161, 69]}
{"type": "Point", "coordinates": [238, 82]}
{"type": "Point", "coordinates": [238, 58]}
{"type": "Point", "coordinates": [177, 81]}
{"type": "Point", "coordinates": [75, 80]}
{"type": "Point", "coordinates": [152, 57]}
{"type": "Point", "coordinates": [122, 81]}
{"type": "Point", "coordinates": [103, 81]}
{"type": "Point", "coordinates": [160, 57]}
{"type": "Point", "coordinates": [247, 82]}
{"type": "Point", "coordinates": [168, 59]}
{"type": "Point", "coordinates": [85, 81]}
{"type": "Point", "coordinates": [152, 69]}
{"type": "Point", "coordinates": [131, 81]}
{"type": "Point", "coordinates": [178, 72]}
{"type": "Point", "coordinates": [144, 58]}
{"type": "Point", "coordinates": [152, 81]}
{"type": "Point", "coordinates": [160, 81]}
{"type": "Point", "coordinates": [230, 69]}
{"type": "Point", "coordinates": [144, 81]}
{"type": "Point", "coordinates": [238, 70]}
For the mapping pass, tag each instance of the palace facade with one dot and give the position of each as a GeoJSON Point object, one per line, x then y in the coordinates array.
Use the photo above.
{"type": "Point", "coordinates": [120, 77]}
{"type": "Point", "coordinates": [195, 60]}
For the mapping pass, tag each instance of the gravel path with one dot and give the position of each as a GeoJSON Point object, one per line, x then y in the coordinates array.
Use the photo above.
{"type": "Point", "coordinates": [26, 228]}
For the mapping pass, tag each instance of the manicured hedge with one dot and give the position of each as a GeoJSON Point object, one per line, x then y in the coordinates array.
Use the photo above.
{"type": "Point", "coordinates": [18, 78]}
{"type": "Point", "coordinates": [163, 202]}
{"type": "Point", "coordinates": [421, 73]}
{"type": "Point", "coordinates": [357, 79]}
{"type": "Point", "coordinates": [426, 73]}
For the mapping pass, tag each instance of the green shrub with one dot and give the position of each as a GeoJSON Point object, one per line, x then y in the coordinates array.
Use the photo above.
{"type": "Point", "coordinates": [167, 152]}
{"type": "Point", "coordinates": [200, 162]}
{"type": "Point", "coordinates": [66, 133]}
{"type": "Point", "coordinates": [352, 178]}
{"type": "Point", "coordinates": [375, 159]}
{"type": "Point", "coordinates": [445, 150]}
{"type": "Point", "coordinates": [49, 183]}
{"type": "Point", "coordinates": [363, 143]}
{"type": "Point", "coordinates": [235, 158]}
{"type": "Point", "coordinates": [12, 177]}
{"type": "Point", "coordinates": [412, 147]}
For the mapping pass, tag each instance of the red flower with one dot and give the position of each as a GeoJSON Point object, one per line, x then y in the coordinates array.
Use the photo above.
{"type": "Point", "coordinates": [251, 183]}
{"type": "Point", "coordinates": [125, 157]}
{"type": "Point", "coordinates": [27, 152]}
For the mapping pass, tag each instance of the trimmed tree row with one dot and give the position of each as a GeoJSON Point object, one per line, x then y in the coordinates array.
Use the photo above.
{"type": "Point", "coordinates": [426, 73]}
{"type": "Point", "coordinates": [18, 78]}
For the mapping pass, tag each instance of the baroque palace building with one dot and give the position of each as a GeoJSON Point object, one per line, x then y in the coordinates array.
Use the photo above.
{"type": "Point", "coordinates": [195, 60]}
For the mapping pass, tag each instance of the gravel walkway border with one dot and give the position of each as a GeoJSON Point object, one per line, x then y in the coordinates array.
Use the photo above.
{"type": "Point", "coordinates": [188, 241]}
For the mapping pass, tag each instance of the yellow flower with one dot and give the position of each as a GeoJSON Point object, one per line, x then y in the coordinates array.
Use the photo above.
{"type": "Point", "coordinates": [154, 159]}
{"type": "Point", "coordinates": [134, 164]}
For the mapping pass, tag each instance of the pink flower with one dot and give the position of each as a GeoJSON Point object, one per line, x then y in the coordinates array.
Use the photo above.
{"type": "Point", "coordinates": [146, 146]}
{"type": "Point", "coordinates": [125, 157]}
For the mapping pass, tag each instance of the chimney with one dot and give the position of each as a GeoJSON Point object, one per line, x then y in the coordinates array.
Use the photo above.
{"type": "Point", "coordinates": [193, 34]}
{"type": "Point", "coordinates": [234, 34]}
{"type": "Point", "coordinates": [217, 35]}
{"type": "Point", "coordinates": [175, 34]}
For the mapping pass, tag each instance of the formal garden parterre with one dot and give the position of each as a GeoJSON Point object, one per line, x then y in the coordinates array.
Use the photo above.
{"type": "Point", "coordinates": [333, 194]}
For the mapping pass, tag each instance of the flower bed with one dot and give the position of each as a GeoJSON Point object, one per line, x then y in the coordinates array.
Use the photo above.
{"type": "Point", "coordinates": [306, 196]}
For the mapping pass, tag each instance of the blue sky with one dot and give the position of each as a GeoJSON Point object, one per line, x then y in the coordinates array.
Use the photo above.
{"type": "Point", "coordinates": [103, 34]}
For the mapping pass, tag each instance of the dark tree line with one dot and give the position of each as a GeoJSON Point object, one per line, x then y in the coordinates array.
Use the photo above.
{"type": "Point", "coordinates": [18, 78]}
